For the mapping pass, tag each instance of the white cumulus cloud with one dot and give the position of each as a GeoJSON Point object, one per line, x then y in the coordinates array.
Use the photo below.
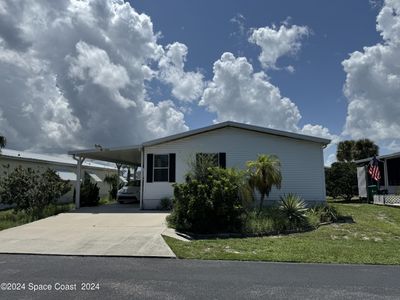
{"type": "Point", "coordinates": [321, 131]}
{"type": "Point", "coordinates": [186, 86]}
{"type": "Point", "coordinates": [277, 42]}
{"type": "Point", "coordinates": [237, 93]}
{"type": "Point", "coordinates": [372, 84]}
{"type": "Point", "coordinates": [74, 73]}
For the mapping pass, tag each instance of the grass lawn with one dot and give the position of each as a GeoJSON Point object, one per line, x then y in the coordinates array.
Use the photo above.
{"type": "Point", "coordinates": [373, 238]}
{"type": "Point", "coordinates": [10, 219]}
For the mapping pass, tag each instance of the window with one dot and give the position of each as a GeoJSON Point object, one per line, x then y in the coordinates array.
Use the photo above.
{"type": "Point", "coordinates": [393, 166]}
{"type": "Point", "coordinates": [161, 167]}
{"type": "Point", "coordinates": [208, 159]}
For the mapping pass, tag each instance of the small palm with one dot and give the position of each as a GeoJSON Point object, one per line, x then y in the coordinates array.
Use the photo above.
{"type": "Point", "coordinates": [264, 173]}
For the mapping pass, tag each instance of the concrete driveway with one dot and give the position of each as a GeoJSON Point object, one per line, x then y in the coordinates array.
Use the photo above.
{"type": "Point", "coordinates": [109, 230]}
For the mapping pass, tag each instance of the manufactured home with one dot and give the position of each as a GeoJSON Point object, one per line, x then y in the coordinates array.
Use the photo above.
{"type": "Point", "coordinates": [166, 160]}
{"type": "Point", "coordinates": [389, 183]}
{"type": "Point", "coordinates": [64, 166]}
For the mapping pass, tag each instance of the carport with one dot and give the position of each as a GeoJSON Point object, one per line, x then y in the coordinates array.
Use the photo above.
{"type": "Point", "coordinates": [130, 155]}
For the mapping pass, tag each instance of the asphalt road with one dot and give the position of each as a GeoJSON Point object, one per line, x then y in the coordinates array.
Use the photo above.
{"type": "Point", "coordinates": [153, 278]}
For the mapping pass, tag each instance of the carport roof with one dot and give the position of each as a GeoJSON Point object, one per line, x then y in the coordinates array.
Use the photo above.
{"type": "Point", "coordinates": [126, 155]}
{"type": "Point", "coordinates": [383, 157]}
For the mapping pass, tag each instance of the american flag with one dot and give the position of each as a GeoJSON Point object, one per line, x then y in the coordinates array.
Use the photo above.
{"type": "Point", "coordinates": [373, 169]}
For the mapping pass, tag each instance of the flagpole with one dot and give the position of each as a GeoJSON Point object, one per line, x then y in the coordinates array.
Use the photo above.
{"type": "Point", "coordinates": [373, 170]}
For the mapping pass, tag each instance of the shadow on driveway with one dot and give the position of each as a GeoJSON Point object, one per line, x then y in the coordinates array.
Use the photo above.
{"type": "Point", "coordinates": [116, 208]}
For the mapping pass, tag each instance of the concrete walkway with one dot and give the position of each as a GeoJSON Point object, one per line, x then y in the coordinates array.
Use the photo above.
{"type": "Point", "coordinates": [109, 230]}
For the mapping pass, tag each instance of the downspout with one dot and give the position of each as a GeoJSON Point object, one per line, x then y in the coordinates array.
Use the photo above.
{"type": "Point", "coordinates": [141, 177]}
{"type": "Point", "coordinates": [323, 173]}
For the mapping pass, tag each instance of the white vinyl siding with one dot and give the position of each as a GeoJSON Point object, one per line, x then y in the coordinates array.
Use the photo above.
{"type": "Point", "coordinates": [302, 161]}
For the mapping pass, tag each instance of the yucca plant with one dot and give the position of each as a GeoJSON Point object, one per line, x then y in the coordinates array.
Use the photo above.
{"type": "Point", "coordinates": [293, 208]}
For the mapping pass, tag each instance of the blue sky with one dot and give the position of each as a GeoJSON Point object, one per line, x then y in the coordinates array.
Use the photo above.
{"type": "Point", "coordinates": [111, 72]}
{"type": "Point", "coordinates": [338, 28]}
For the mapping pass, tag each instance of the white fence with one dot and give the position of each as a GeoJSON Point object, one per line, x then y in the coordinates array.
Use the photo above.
{"type": "Point", "coordinates": [387, 200]}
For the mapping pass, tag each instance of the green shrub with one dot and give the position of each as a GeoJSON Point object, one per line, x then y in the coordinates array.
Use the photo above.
{"type": "Point", "coordinates": [11, 218]}
{"type": "Point", "coordinates": [326, 213]}
{"type": "Point", "coordinates": [112, 181]}
{"type": "Point", "coordinates": [293, 209]}
{"type": "Point", "coordinates": [313, 219]}
{"type": "Point", "coordinates": [31, 191]}
{"type": "Point", "coordinates": [106, 200]}
{"type": "Point", "coordinates": [272, 220]}
{"type": "Point", "coordinates": [213, 204]}
{"type": "Point", "coordinates": [89, 193]}
{"type": "Point", "coordinates": [341, 180]}
{"type": "Point", "coordinates": [165, 204]}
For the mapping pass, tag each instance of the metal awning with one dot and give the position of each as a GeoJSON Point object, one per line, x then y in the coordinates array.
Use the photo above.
{"type": "Point", "coordinates": [65, 175]}
{"type": "Point", "coordinates": [95, 177]}
{"type": "Point", "coordinates": [130, 155]}
{"type": "Point", "coordinates": [380, 157]}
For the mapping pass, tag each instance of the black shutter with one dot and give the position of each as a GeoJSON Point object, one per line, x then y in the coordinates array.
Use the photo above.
{"type": "Point", "coordinates": [222, 160]}
{"type": "Point", "coordinates": [172, 167]}
{"type": "Point", "coordinates": [149, 168]}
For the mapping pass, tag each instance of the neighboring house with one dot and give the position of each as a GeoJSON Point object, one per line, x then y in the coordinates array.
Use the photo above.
{"type": "Point", "coordinates": [165, 161]}
{"type": "Point", "coordinates": [64, 166]}
{"type": "Point", "coordinates": [389, 166]}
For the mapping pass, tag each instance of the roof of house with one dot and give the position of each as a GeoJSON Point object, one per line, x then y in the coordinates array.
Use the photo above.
{"type": "Point", "coordinates": [132, 154]}
{"type": "Point", "coordinates": [254, 128]}
{"type": "Point", "coordinates": [386, 156]}
{"type": "Point", "coordinates": [60, 159]}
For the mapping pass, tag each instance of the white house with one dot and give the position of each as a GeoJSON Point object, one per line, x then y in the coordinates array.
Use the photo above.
{"type": "Point", "coordinates": [389, 166]}
{"type": "Point", "coordinates": [165, 160]}
{"type": "Point", "coordinates": [64, 166]}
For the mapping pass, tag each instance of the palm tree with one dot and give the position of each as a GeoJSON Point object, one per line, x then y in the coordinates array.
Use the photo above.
{"type": "Point", "coordinates": [351, 150]}
{"type": "Point", "coordinates": [3, 142]}
{"type": "Point", "coordinates": [365, 148]}
{"type": "Point", "coordinates": [345, 151]}
{"type": "Point", "coordinates": [112, 181]}
{"type": "Point", "coordinates": [264, 173]}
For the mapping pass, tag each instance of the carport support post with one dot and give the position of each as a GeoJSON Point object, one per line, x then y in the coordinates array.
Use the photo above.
{"type": "Point", "coordinates": [385, 174]}
{"type": "Point", "coordinates": [118, 170]}
{"type": "Point", "coordinates": [141, 176]}
{"type": "Point", "coordinates": [80, 161]}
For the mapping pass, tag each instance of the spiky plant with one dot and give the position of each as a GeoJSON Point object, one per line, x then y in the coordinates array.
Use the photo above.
{"type": "Point", "coordinates": [293, 208]}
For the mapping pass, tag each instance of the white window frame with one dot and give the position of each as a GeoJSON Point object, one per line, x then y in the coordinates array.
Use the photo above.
{"type": "Point", "coordinates": [160, 168]}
